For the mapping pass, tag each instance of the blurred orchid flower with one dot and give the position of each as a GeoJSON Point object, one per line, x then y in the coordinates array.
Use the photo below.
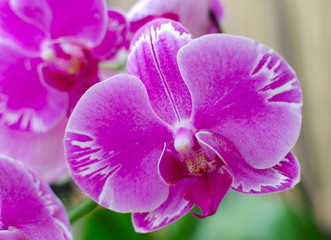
{"type": "Point", "coordinates": [29, 209]}
{"type": "Point", "coordinates": [197, 118]}
{"type": "Point", "coordinates": [49, 55]}
{"type": "Point", "coordinates": [200, 17]}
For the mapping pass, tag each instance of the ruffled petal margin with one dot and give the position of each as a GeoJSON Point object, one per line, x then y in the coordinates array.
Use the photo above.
{"type": "Point", "coordinates": [172, 209]}
{"type": "Point", "coordinates": [246, 179]}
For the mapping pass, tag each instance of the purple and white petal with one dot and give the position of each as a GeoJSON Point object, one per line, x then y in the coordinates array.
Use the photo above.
{"type": "Point", "coordinates": [283, 176]}
{"type": "Point", "coordinates": [134, 26]}
{"type": "Point", "coordinates": [32, 12]}
{"type": "Point", "coordinates": [18, 31]}
{"type": "Point", "coordinates": [153, 60]}
{"type": "Point", "coordinates": [114, 141]}
{"type": "Point", "coordinates": [28, 205]}
{"type": "Point", "coordinates": [87, 22]}
{"type": "Point", "coordinates": [217, 9]}
{"type": "Point", "coordinates": [115, 36]}
{"type": "Point", "coordinates": [195, 17]}
{"type": "Point", "coordinates": [42, 152]}
{"type": "Point", "coordinates": [25, 103]}
{"type": "Point", "coordinates": [245, 92]}
{"type": "Point", "coordinates": [145, 11]}
{"type": "Point", "coordinates": [13, 234]}
{"type": "Point", "coordinates": [172, 209]}
{"type": "Point", "coordinates": [147, 8]}
{"type": "Point", "coordinates": [246, 179]}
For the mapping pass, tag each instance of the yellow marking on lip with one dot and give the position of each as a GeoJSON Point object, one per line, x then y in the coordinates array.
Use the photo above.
{"type": "Point", "coordinates": [197, 165]}
{"type": "Point", "coordinates": [74, 66]}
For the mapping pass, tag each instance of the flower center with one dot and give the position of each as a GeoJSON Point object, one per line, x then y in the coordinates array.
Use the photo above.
{"type": "Point", "coordinates": [65, 57]}
{"type": "Point", "coordinates": [198, 164]}
{"type": "Point", "coordinates": [199, 159]}
{"type": "Point", "coordinates": [66, 62]}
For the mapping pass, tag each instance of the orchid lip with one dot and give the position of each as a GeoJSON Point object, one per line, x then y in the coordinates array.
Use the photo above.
{"type": "Point", "coordinates": [201, 163]}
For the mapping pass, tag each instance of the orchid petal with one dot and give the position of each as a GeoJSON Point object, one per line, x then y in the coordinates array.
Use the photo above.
{"type": "Point", "coordinates": [114, 38]}
{"type": "Point", "coordinates": [172, 209]}
{"type": "Point", "coordinates": [28, 204]}
{"type": "Point", "coordinates": [283, 176]}
{"type": "Point", "coordinates": [123, 151]}
{"type": "Point", "coordinates": [87, 22]}
{"type": "Point", "coordinates": [145, 11]}
{"type": "Point", "coordinates": [13, 234]}
{"type": "Point", "coordinates": [146, 8]}
{"type": "Point", "coordinates": [26, 35]}
{"type": "Point", "coordinates": [195, 17]}
{"type": "Point", "coordinates": [246, 179]}
{"type": "Point", "coordinates": [207, 192]}
{"type": "Point", "coordinates": [42, 152]}
{"type": "Point", "coordinates": [153, 60]}
{"type": "Point", "coordinates": [26, 104]}
{"type": "Point", "coordinates": [38, 13]}
{"type": "Point", "coordinates": [134, 26]}
{"type": "Point", "coordinates": [217, 11]}
{"type": "Point", "coordinates": [245, 92]}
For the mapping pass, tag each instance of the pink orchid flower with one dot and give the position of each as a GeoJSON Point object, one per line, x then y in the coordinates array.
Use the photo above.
{"type": "Point", "coordinates": [49, 55]}
{"type": "Point", "coordinates": [28, 208]}
{"type": "Point", "coordinates": [195, 118]}
{"type": "Point", "coordinates": [199, 17]}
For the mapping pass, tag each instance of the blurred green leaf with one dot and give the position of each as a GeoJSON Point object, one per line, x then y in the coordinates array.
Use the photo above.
{"type": "Point", "coordinates": [104, 224]}
{"type": "Point", "coordinates": [254, 217]}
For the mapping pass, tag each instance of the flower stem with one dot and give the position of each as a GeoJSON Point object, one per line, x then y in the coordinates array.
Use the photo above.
{"type": "Point", "coordinates": [82, 209]}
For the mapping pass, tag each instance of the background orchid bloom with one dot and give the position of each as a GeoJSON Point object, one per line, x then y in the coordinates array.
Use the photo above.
{"type": "Point", "coordinates": [197, 118]}
{"type": "Point", "coordinates": [28, 207]}
{"type": "Point", "coordinates": [199, 16]}
{"type": "Point", "coordinates": [49, 54]}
